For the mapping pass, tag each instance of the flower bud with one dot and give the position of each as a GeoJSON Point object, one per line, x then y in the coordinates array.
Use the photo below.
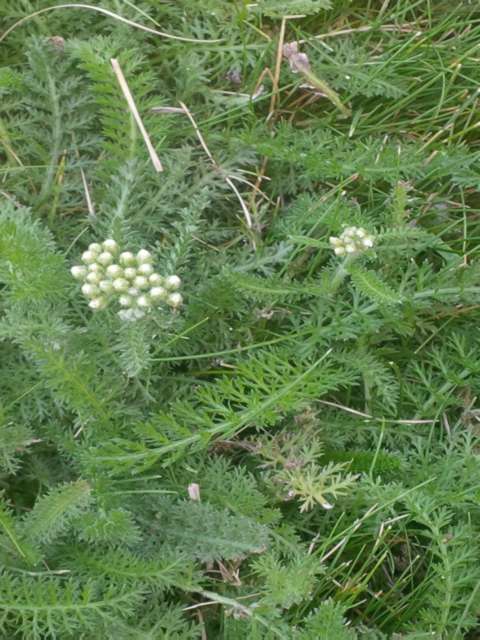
{"type": "Point", "coordinates": [158, 293]}
{"type": "Point", "coordinates": [78, 272]}
{"type": "Point", "coordinates": [127, 315]}
{"type": "Point", "coordinates": [127, 259]}
{"type": "Point", "coordinates": [155, 279]}
{"type": "Point", "coordinates": [130, 273]}
{"type": "Point", "coordinates": [144, 301]}
{"type": "Point", "coordinates": [105, 258]}
{"type": "Point", "coordinates": [141, 282]}
{"type": "Point", "coordinates": [110, 245]}
{"type": "Point", "coordinates": [88, 257]}
{"type": "Point", "coordinates": [145, 269]}
{"type": "Point", "coordinates": [194, 491]}
{"type": "Point", "coordinates": [106, 286]}
{"type": "Point", "coordinates": [125, 301]}
{"type": "Point", "coordinates": [93, 277]}
{"type": "Point", "coordinates": [144, 256]}
{"type": "Point", "coordinates": [136, 281]}
{"type": "Point", "coordinates": [351, 241]}
{"type": "Point", "coordinates": [172, 282]}
{"type": "Point", "coordinates": [89, 290]}
{"type": "Point", "coordinates": [120, 284]}
{"type": "Point", "coordinates": [97, 303]}
{"type": "Point", "coordinates": [114, 271]}
{"type": "Point", "coordinates": [174, 300]}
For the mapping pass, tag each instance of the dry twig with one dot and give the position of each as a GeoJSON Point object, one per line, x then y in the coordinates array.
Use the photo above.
{"type": "Point", "coordinates": [228, 180]}
{"type": "Point", "coordinates": [106, 12]}
{"type": "Point", "coordinates": [133, 108]}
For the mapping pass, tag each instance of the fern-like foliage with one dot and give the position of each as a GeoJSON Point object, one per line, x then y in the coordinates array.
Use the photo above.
{"type": "Point", "coordinates": [43, 608]}
{"type": "Point", "coordinates": [28, 263]}
{"type": "Point", "coordinates": [452, 580]}
{"type": "Point", "coordinates": [165, 570]}
{"type": "Point", "coordinates": [14, 540]}
{"type": "Point", "coordinates": [264, 389]}
{"type": "Point", "coordinates": [368, 283]}
{"type": "Point", "coordinates": [293, 452]}
{"type": "Point", "coordinates": [287, 583]}
{"type": "Point", "coordinates": [207, 534]}
{"type": "Point", "coordinates": [279, 8]}
{"type": "Point", "coordinates": [14, 440]}
{"type": "Point", "coordinates": [52, 125]}
{"type": "Point", "coordinates": [327, 623]}
{"type": "Point", "coordinates": [52, 514]}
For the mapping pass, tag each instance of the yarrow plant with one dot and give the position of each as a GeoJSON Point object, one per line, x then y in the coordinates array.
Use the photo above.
{"type": "Point", "coordinates": [110, 275]}
{"type": "Point", "coordinates": [352, 240]}
{"type": "Point", "coordinates": [296, 454]}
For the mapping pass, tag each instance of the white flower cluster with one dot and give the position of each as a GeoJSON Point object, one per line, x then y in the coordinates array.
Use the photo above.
{"type": "Point", "coordinates": [109, 274]}
{"type": "Point", "coordinates": [352, 240]}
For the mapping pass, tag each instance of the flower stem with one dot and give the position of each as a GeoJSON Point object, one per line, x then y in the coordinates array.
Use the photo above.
{"type": "Point", "coordinates": [341, 273]}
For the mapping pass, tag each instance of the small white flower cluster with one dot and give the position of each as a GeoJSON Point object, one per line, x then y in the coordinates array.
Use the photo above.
{"type": "Point", "coordinates": [109, 274]}
{"type": "Point", "coordinates": [353, 240]}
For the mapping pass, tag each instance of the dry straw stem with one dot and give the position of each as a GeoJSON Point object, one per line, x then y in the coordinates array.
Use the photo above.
{"type": "Point", "coordinates": [88, 199]}
{"type": "Point", "coordinates": [167, 110]}
{"type": "Point", "coordinates": [278, 67]}
{"type": "Point", "coordinates": [8, 197]}
{"type": "Point", "coordinates": [274, 97]}
{"type": "Point", "coordinates": [5, 142]}
{"type": "Point", "coordinates": [91, 210]}
{"type": "Point", "coordinates": [369, 417]}
{"type": "Point", "coordinates": [105, 12]}
{"type": "Point", "coordinates": [278, 63]}
{"type": "Point", "coordinates": [133, 108]}
{"type": "Point", "coordinates": [228, 180]}
{"type": "Point", "coordinates": [386, 28]}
